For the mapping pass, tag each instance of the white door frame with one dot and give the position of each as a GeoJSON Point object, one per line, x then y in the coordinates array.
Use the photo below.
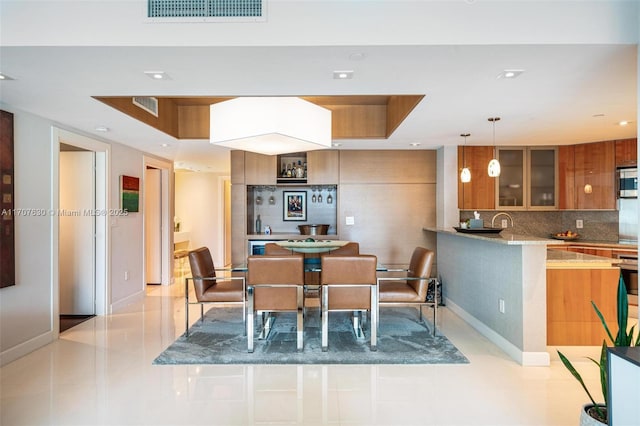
{"type": "Point", "coordinates": [102, 229]}
{"type": "Point", "coordinates": [167, 212]}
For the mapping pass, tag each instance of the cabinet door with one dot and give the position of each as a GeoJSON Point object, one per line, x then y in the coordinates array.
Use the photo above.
{"type": "Point", "coordinates": [511, 182]}
{"type": "Point", "coordinates": [542, 178]}
{"type": "Point", "coordinates": [259, 169]}
{"type": "Point", "coordinates": [480, 192]}
{"type": "Point", "coordinates": [323, 167]}
{"type": "Point", "coordinates": [627, 153]}
{"type": "Point", "coordinates": [595, 175]}
{"type": "Point", "coordinates": [566, 177]}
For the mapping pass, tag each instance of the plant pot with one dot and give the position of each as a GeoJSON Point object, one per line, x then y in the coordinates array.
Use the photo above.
{"type": "Point", "coordinates": [587, 420]}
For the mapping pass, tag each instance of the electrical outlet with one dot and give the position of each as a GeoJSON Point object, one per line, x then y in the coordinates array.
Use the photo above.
{"type": "Point", "coordinates": [349, 220]}
{"type": "Point", "coordinates": [126, 275]}
{"type": "Point", "coordinates": [504, 223]}
{"type": "Point", "coordinates": [501, 306]}
{"type": "Point", "coordinates": [579, 223]}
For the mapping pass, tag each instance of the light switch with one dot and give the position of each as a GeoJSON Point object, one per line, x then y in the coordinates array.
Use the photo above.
{"type": "Point", "coordinates": [350, 220]}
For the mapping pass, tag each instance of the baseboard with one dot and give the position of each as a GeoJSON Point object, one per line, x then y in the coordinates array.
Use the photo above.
{"type": "Point", "coordinates": [23, 349]}
{"type": "Point", "coordinates": [528, 359]}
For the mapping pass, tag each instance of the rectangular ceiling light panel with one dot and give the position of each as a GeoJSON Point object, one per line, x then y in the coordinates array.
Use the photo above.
{"type": "Point", "coordinates": [206, 10]}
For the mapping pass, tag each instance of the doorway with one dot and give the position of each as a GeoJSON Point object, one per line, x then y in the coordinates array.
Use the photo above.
{"type": "Point", "coordinates": [157, 202]}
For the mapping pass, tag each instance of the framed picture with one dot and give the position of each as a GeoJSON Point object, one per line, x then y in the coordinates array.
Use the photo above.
{"type": "Point", "coordinates": [130, 193]}
{"type": "Point", "coordinates": [295, 206]}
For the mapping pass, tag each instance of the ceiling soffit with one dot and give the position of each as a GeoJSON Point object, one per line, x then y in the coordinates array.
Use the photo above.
{"type": "Point", "coordinates": [352, 117]}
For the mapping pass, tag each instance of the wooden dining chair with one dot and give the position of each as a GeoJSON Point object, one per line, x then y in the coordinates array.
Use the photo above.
{"type": "Point", "coordinates": [348, 283]}
{"type": "Point", "coordinates": [275, 284]}
{"type": "Point", "coordinates": [209, 288]}
{"type": "Point", "coordinates": [412, 288]}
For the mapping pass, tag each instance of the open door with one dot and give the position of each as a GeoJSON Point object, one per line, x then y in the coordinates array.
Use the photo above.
{"type": "Point", "coordinates": [153, 225]}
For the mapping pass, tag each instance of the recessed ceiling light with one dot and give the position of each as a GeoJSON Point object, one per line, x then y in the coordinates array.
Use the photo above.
{"type": "Point", "coordinates": [343, 75]}
{"type": "Point", "coordinates": [5, 77]}
{"type": "Point", "coordinates": [414, 144]}
{"type": "Point", "coordinates": [102, 129]}
{"type": "Point", "coordinates": [597, 115]}
{"type": "Point", "coordinates": [336, 144]}
{"type": "Point", "coordinates": [164, 145]}
{"type": "Point", "coordinates": [358, 56]}
{"type": "Point", "coordinates": [157, 75]}
{"type": "Point", "coordinates": [623, 123]}
{"type": "Point", "coordinates": [510, 73]}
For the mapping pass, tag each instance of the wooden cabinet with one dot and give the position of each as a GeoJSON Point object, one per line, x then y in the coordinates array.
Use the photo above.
{"type": "Point", "coordinates": [480, 192]}
{"type": "Point", "coordinates": [323, 167]}
{"type": "Point", "coordinates": [259, 169]}
{"type": "Point", "coordinates": [587, 176]}
{"type": "Point", "coordinates": [626, 152]}
{"type": "Point", "coordinates": [528, 178]}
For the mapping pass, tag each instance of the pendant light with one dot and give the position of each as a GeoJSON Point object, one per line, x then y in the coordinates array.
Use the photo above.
{"type": "Point", "coordinates": [494, 165]}
{"type": "Point", "coordinates": [465, 174]}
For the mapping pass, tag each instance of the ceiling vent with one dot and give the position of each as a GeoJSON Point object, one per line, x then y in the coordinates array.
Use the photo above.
{"type": "Point", "coordinates": [206, 10]}
{"type": "Point", "coordinates": [147, 103]}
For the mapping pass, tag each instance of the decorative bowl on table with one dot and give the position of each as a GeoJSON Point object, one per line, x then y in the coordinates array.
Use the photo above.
{"type": "Point", "coordinates": [566, 236]}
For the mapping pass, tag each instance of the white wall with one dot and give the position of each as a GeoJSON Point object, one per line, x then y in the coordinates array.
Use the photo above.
{"type": "Point", "coordinates": [27, 309]}
{"type": "Point", "coordinates": [197, 204]}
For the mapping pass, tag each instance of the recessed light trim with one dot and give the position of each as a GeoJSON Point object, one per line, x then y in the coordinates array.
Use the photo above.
{"type": "Point", "coordinates": [336, 144]}
{"type": "Point", "coordinates": [623, 123]}
{"type": "Point", "coordinates": [102, 129]}
{"type": "Point", "coordinates": [5, 77]}
{"type": "Point", "coordinates": [157, 75]}
{"type": "Point", "coordinates": [510, 73]}
{"type": "Point", "coordinates": [415, 144]}
{"type": "Point", "coordinates": [165, 145]}
{"type": "Point", "coordinates": [343, 75]}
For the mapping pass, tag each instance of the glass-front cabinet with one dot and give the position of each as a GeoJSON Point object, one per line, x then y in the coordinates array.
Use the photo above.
{"type": "Point", "coordinates": [528, 179]}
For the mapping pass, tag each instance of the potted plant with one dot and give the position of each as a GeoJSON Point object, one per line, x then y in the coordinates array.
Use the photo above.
{"type": "Point", "coordinates": [623, 338]}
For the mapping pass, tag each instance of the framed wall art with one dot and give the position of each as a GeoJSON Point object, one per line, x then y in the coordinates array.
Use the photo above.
{"type": "Point", "coordinates": [130, 193]}
{"type": "Point", "coordinates": [7, 226]}
{"type": "Point", "coordinates": [294, 206]}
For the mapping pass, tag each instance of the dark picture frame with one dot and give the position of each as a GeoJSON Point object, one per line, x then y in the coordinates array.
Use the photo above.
{"type": "Point", "coordinates": [294, 206]}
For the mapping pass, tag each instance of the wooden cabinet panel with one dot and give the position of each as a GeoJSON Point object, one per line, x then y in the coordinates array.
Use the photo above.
{"type": "Point", "coordinates": [237, 167]}
{"type": "Point", "coordinates": [566, 177]}
{"type": "Point", "coordinates": [571, 320]}
{"type": "Point", "coordinates": [626, 152]}
{"type": "Point", "coordinates": [480, 192]}
{"type": "Point", "coordinates": [323, 167]}
{"type": "Point", "coordinates": [595, 175]}
{"type": "Point", "coordinates": [259, 169]}
{"type": "Point", "coordinates": [381, 166]}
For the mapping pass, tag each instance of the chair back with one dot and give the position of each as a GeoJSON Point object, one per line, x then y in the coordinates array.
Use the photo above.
{"type": "Point", "coordinates": [274, 269]}
{"type": "Point", "coordinates": [420, 267]}
{"type": "Point", "coordinates": [275, 249]}
{"type": "Point", "coordinates": [349, 249]}
{"type": "Point", "coordinates": [202, 266]}
{"type": "Point", "coordinates": [349, 271]}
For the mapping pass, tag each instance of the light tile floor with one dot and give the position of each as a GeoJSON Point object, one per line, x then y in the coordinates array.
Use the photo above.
{"type": "Point", "coordinates": [100, 373]}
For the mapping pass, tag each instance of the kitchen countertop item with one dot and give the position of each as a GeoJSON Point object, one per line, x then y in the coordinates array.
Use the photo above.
{"type": "Point", "coordinates": [312, 246]}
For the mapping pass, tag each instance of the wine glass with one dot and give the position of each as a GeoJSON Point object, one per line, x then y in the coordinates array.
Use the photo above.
{"type": "Point", "coordinates": [320, 194]}
{"type": "Point", "coordinates": [313, 197]}
{"type": "Point", "coordinates": [329, 197]}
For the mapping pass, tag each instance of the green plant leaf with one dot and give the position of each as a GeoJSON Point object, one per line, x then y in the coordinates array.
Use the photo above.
{"type": "Point", "coordinates": [575, 374]}
{"type": "Point", "coordinates": [604, 323]}
{"type": "Point", "coordinates": [604, 383]}
{"type": "Point", "coordinates": [622, 338]}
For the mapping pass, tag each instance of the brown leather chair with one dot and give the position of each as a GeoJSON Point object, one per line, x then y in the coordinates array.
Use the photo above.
{"type": "Point", "coordinates": [208, 287]}
{"type": "Point", "coordinates": [275, 249]}
{"type": "Point", "coordinates": [275, 284]}
{"type": "Point", "coordinates": [348, 283]}
{"type": "Point", "coordinates": [349, 249]}
{"type": "Point", "coordinates": [411, 289]}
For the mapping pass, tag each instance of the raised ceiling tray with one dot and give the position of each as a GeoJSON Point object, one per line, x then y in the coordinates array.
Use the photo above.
{"type": "Point", "coordinates": [478, 230]}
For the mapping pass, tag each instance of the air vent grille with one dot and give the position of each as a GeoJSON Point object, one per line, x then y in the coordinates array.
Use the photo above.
{"type": "Point", "coordinates": [206, 10]}
{"type": "Point", "coordinates": [147, 103]}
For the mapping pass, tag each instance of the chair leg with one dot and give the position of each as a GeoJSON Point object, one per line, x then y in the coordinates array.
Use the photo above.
{"type": "Point", "coordinates": [300, 318]}
{"type": "Point", "coordinates": [186, 306]}
{"type": "Point", "coordinates": [249, 320]}
{"type": "Point", "coordinates": [324, 317]}
{"type": "Point", "coordinates": [374, 319]}
{"type": "Point", "coordinates": [435, 306]}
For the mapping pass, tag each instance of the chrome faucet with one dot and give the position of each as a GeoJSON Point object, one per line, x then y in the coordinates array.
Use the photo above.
{"type": "Point", "coordinates": [501, 214]}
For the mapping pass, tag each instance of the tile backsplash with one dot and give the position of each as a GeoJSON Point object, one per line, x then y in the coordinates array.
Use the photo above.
{"type": "Point", "coordinates": [597, 225]}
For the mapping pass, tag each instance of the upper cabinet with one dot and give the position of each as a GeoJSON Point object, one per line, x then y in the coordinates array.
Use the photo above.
{"type": "Point", "coordinates": [480, 192]}
{"type": "Point", "coordinates": [528, 178]}
{"type": "Point", "coordinates": [587, 176]}
{"type": "Point", "coordinates": [259, 169]}
{"type": "Point", "coordinates": [627, 153]}
{"type": "Point", "coordinates": [323, 167]}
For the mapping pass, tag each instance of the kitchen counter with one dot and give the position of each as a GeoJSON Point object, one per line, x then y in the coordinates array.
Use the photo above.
{"type": "Point", "coordinates": [603, 244]}
{"type": "Point", "coordinates": [569, 259]}
{"type": "Point", "coordinates": [504, 237]}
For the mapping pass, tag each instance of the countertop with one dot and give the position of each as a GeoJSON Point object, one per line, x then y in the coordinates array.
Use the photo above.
{"type": "Point", "coordinates": [604, 244]}
{"type": "Point", "coordinates": [504, 237]}
{"type": "Point", "coordinates": [570, 259]}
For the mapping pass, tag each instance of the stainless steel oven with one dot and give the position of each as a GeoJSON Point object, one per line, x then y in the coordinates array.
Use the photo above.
{"type": "Point", "coordinates": [628, 183]}
{"type": "Point", "coordinates": [629, 270]}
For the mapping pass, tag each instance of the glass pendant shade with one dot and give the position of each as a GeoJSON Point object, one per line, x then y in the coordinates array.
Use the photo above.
{"type": "Point", "coordinates": [465, 175]}
{"type": "Point", "coordinates": [494, 168]}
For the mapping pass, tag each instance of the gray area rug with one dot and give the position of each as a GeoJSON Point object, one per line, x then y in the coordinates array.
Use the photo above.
{"type": "Point", "coordinates": [402, 339]}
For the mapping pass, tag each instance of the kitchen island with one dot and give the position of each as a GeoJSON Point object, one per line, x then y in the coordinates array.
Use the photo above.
{"type": "Point", "coordinates": [497, 283]}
